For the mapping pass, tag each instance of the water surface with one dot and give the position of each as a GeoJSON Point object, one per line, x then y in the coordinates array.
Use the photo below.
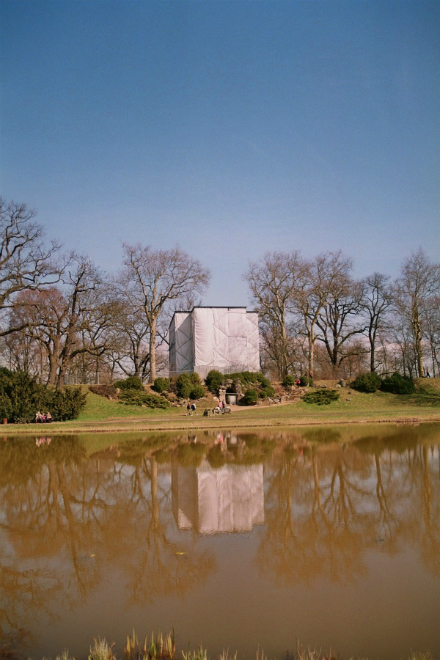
{"type": "Point", "coordinates": [326, 536]}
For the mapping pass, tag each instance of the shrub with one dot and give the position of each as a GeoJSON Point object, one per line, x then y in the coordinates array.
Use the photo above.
{"type": "Point", "coordinates": [108, 391]}
{"type": "Point", "coordinates": [248, 377]}
{"type": "Point", "coordinates": [397, 384]}
{"type": "Point", "coordinates": [21, 396]}
{"type": "Point", "coordinates": [305, 380]}
{"type": "Point", "coordinates": [250, 398]}
{"type": "Point", "coordinates": [369, 382]}
{"type": "Point", "coordinates": [195, 378]}
{"type": "Point", "coordinates": [197, 392]}
{"type": "Point", "coordinates": [136, 398]}
{"type": "Point", "coordinates": [26, 396]}
{"type": "Point", "coordinates": [321, 397]}
{"type": "Point", "coordinates": [288, 381]}
{"type": "Point", "coordinates": [66, 403]}
{"type": "Point", "coordinates": [162, 385]}
{"type": "Point", "coordinates": [267, 392]}
{"type": "Point", "coordinates": [214, 380]}
{"type": "Point", "coordinates": [261, 378]}
{"type": "Point", "coordinates": [183, 385]}
{"type": "Point", "coordinates": [130, 383]}
{"type": "Point", "coordinates": [5, 406]}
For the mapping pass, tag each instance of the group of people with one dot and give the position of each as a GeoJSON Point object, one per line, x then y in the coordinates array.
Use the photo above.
{"type": "Point", "coordinates": [191, 409]}
{"type": "Point", "coordinates": [43, 418]}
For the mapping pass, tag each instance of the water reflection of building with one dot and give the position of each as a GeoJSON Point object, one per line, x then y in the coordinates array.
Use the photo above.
{"type": "Point", "coordinates": [228, 499]}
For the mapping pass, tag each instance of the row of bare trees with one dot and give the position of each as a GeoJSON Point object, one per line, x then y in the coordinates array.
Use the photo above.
{"type": "Point", "coordinates": [315, 316]}
{"type": "Point", "coordinates": [64, 320]}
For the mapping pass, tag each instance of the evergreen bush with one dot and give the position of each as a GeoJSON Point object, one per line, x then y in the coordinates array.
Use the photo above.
{"type": "Point", "coordinates": [197, 392]}
{"type": "Point", "coordinates": [130, 383]}
{"type": "Point", "coordinates": [288, 381]}
{"type": "Point", "coordinates": [214, 380]}
{"type": "Point", "coordinates": [184, 385]}
{"type": "Point", "coordinates": [267, 392]}
{"type": "Point", "coordinates": [369, 382]}
{"type": "Point", "coordinates": [21, 397]}
{"type": "Point", "coordinates": [250, 398]}
{"type": "Point", "coordinates": [397, 384]}
{"type": "Point", "coordinates": [108, 391]}
{"type": "Point", "coordinates": [135, 398]}
{"type": "Point", "coordinates": [162, 385]}
{"type": "Point", "coordinates": [66, 403]}
{"type": "Point", "coordinates": [305, 380]}
{"type": "Point", "coordinates": [321, 397]}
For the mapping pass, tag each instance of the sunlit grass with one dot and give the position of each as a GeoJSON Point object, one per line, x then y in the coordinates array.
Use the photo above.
{"type": "Point", "coordinates": [101, 414]}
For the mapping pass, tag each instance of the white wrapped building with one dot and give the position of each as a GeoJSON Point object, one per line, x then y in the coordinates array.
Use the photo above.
{"type": "Point", "coordinates": [222, 338]}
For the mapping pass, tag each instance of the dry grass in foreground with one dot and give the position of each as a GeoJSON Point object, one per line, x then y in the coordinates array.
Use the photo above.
{"type": "Point", "coordinates": [164, 648]}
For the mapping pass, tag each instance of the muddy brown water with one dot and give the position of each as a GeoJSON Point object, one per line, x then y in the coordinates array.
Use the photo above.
{"type": "Point", "coordinates": [326, 537]}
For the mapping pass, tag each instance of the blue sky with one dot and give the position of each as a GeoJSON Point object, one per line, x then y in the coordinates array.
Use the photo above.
{"type": "Point", "coordinates": [227, 128]}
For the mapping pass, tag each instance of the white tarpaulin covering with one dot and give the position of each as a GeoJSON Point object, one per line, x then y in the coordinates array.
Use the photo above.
{"type": "Point", "coordinates": [223, 338]}
{"type": "Point", "coordinates": [230, 499]}
{"type": "Point", "coordinates": [181, 343]}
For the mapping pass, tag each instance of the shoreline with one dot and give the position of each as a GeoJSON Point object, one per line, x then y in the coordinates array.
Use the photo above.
{"type": "Point", "coordinates": [237, 420]}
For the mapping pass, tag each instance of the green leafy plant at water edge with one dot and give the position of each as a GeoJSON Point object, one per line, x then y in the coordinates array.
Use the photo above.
{"type": "Point", "coordinates": [321, 397]}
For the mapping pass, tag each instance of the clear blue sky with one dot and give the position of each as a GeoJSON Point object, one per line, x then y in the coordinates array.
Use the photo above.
{"type": "Point", "coordinates": [228, 128]}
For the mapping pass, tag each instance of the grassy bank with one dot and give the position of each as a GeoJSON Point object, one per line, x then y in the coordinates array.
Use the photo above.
{"type": "Point", "coordinates": [103, 415]}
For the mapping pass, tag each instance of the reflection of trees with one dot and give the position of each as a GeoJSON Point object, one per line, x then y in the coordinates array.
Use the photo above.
{"type": "Point", "coordinates": [69, 521]}
{"type": "Point", "coordinates": [324, 509]}
{"type": "Point", "coordinates": [159, 565]}
{"type": "Point", "coordinates": [66, 522]}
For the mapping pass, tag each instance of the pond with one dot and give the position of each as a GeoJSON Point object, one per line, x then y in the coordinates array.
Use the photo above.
{"type": "Point", "coordinates": [326, 537]}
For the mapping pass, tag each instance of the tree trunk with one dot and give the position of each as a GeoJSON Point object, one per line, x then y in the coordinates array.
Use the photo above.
{"type": "Point", "coordinates": [153, 332]}
{"type": "Point", "coordinates": [311, 338]}
{"type": "Point", "coordinates": [417, 326]}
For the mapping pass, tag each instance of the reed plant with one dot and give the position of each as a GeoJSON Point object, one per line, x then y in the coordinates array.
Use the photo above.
{"type": "Point", "coordinates": [164, 648]}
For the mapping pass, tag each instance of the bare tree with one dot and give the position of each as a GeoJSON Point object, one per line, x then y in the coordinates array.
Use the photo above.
{"type": "Point", "coordinates": [376, 301]}
{"type": "Point", "coordinates": [337, 320]}
{"type": "Point", "coordinates": [432, 331]}
{"type": "Point", "coordinates": [152, 279]}
{"type": "Point", "coordinates": [319, 280]}
{"type": "Point", "coordinates": [26, 260]}
{"type": "Point", "coordinates": [419, 282]}
{"type": "Point", "coordinates": [274, 284]}
{"type": "Point", "coordinates": [68, 322]}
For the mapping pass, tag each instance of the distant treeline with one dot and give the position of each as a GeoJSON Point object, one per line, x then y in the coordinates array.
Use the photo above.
{"type": "Point", "coordinates": [63, 320]}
